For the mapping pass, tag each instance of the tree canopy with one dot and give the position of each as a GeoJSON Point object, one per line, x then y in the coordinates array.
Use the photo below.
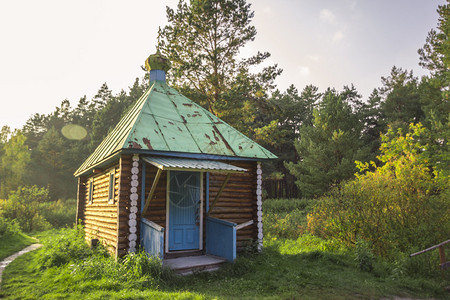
{"type": "Point", "coordinates": [317, 135]}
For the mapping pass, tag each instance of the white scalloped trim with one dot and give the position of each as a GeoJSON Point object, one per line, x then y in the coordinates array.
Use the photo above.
{"type": "Point", "coordinates": [132, 237]}
{"type": "Point", "coordinates": [259, 205]}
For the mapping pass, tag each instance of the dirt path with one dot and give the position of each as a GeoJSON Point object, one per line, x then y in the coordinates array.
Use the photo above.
{"type": "Point", "coordinates": [9, 259]}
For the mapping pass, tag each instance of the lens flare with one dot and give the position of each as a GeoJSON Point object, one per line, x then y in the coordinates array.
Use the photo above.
{"type": "Point", "coordinates": [74, 132]}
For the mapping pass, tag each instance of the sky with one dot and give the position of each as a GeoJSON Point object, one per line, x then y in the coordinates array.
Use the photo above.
{"type": "Point", "coordinates": [52, 50]}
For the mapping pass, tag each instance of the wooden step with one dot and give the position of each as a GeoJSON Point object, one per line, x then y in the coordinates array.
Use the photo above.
{"type": "Point", "coordinates": [193, 264]}
{"type": "Point", "coordinates": [183, 253]}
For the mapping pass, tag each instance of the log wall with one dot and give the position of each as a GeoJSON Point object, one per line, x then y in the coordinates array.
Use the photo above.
{"type": "Point", "coordinates": [156, 211]}
{"type": "Point", "coordinates": [99, 217]}
{"type": "Point", "coordinates": [237, 202]}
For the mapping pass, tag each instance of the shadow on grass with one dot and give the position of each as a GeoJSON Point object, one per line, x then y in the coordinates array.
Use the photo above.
{"type": "Point", "coordinates": [269, 275]}
{"type": "Point", "coordinates": [308, 275]}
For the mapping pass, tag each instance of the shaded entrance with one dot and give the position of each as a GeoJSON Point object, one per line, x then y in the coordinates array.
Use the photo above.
{"type": "Point", "coordinates": [184, 210]}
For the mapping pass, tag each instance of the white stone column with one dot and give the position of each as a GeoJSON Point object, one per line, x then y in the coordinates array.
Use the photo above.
{"type": "Point", "coordinates": [259, 204]}
{"type": "Point", "coordinates": [132, 237]}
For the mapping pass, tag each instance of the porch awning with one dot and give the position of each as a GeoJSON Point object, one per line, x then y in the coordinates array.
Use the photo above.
{"type": "Point", "coordinates": [186, 164]}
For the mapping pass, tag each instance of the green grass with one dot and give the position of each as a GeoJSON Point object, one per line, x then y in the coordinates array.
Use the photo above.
{"type": "Point", "coordinates": [286, 205]}
{"type": "Point", "coordinates": [24, 279]}
{"type": "Point", "coordinates": [298, 270]}
{"type": "Point", "coordinates": [306, 268]}
{"type": "Point", "coordinates": [290, 267]}
{"type": "Point", "coordinates": [14, 242]}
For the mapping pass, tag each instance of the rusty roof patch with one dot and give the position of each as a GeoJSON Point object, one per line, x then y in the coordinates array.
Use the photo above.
{"type": "Point", "coordinates": [215, 136]}
{"type": "Point", "coordinates": [225, 141]}
{"type": "Point", "coordinates": [187, 104]}
{"type": "Point", "coordinates": [147, 143]}
{"type": "Point", "coordinates": [135, 145]}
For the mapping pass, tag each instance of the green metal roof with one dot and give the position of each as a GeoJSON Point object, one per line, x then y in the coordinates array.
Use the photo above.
{"type": "Point", "coordinates": [188, 164]}
{"type": "Point", "coordinates": [164, 120]}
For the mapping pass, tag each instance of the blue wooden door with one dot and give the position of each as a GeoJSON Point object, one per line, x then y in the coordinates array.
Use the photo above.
{"type": "Point", "coordinates": [184, 202]}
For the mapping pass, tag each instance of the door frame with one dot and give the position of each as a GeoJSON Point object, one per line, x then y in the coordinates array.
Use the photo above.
{"type": "Point", "coordinates": [166, 246]}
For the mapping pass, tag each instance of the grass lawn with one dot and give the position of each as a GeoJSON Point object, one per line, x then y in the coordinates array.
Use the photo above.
{"type": "Point", "coordinates": [14, 242]}
{"type": "Point", "coordinates": [288, 269]}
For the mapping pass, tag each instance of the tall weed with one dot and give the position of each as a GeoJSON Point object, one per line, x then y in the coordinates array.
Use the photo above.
{"type": "Point", "coordinates": [68, 247]}
{"type": "Point", "coordinates": [286, 205]}
{"type": "Point", "coordinates": [65, 247]}
{"type": "Point", "coordinates": [285, 218]}
{"type": "Point", "coordinates": [8, 228]}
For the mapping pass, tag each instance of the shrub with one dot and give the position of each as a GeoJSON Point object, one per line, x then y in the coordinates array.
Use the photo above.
{"type": "Point", "coordinates": [291, 225]}
{"type": "Point", "coordinates": [23, 206]}
{"type": "Point", "coordinates": [31, 207]}
{"type": "Point", "coordinates": [59, 213]}
{"type": "Point", "coordinates": [285, 218]}
{"type": "Point", "coordinates": [398, 206]}
{"type": "Point", "coordinates": [364, 256]}
{"type": "Point", "coordinates": [8, 228]}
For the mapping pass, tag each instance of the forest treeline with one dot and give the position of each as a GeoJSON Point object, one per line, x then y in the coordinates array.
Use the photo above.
{"type": "Point", "coordinates": [317, 135]}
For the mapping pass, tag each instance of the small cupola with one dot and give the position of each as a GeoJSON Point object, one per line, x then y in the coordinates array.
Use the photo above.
{"type": "Point", "coordinates": [157, 65]}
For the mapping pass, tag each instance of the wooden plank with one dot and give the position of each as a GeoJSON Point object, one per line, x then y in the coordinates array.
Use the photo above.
{"type": "Point", "coordinates": [245, 224]}
{"type": "Point", "coordinates": [230, 210]}
{"type": "Point", "coordinates": [104, 219]}
{"type": "Point", "coordinates": [103, 225]}
{"type": "Point", "coordinates": [431, 248]}
{"type": "Point", "coordinates": [218, 194]}
{"type": "Point", "coordinates": [152, 190]}
{"type": "Point", "coordinates": [445, 265]}
{"type": "Point", "coordinates": [102, 208]}
{"type": "Point", "coordinates": [442, 255]}
{"type": "Point", "coordinates": [123, 197]}
{"type": "Point", "coordinates": [93, 233]}
{"type": "Point", "coordinates": [80, 203]}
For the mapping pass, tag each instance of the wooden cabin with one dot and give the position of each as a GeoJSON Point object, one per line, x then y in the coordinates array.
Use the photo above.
{"type": "Point", "coordinates": [172, 178]}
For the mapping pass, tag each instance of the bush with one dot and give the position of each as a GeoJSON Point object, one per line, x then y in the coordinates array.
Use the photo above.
{"type": "Point", "coordinates": [23, 205]}
{"type": "Point", "coordinates": [364, 256]}
{"type": "Point", "coordinates": [285, 218]}
{"type": "Point", "coordinates": [33, 210]}
{"type": "Point", "coordinates": [399, 206]}
{"type": "Point", "coordinates": [8, 228]}
{"type": "Point", "coordinates": [290, 226]}
{"type": "Point", "coordinates": [59, 213]}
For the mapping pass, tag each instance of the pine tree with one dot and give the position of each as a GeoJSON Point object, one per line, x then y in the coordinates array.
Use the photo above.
{"type": "Point", "coordinates": [328, 149]}
{"type": "Point", "coordinates": [202, 41]}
